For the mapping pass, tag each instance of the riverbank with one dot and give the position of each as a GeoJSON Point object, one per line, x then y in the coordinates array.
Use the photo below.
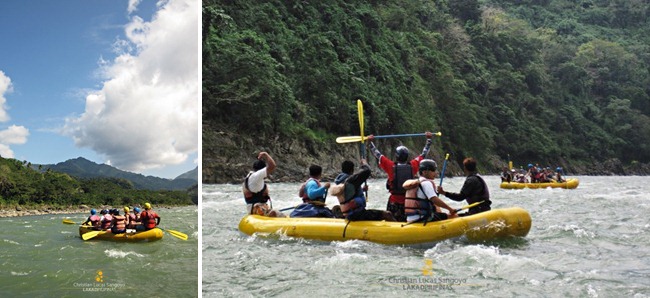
{"type": "Point", "coordinates": [16, 211]}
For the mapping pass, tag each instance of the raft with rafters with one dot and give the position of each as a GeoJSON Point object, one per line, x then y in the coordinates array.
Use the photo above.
{"type": "Point", "coordinates": [489, 225]}
{"type": "Point", "coordinates": [149, 235]}
{"type": "Point", "coordinates": [568, 184]}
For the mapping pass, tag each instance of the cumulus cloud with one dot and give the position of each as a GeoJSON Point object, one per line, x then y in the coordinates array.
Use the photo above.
{"type": "Point", "coordinates": [5, 87]}
{"type": "Point", "coordinates": [14, 134]}
{"type": "Point", "coordinates": [146, 114]}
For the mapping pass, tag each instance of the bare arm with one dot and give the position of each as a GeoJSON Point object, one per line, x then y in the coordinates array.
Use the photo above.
{"type": "Point", "coordinates": [270, 163]}
{"type": "Point", "coordinates": [440, 203]}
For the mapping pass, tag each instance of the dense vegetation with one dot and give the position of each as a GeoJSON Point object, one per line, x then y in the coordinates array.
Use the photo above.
{"type": "Point", "coordinates": [22, 185]}
{"type": "Point", "coordinates": [555, 81]}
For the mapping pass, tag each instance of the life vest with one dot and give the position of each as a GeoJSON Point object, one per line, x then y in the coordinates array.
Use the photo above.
{"type": "Point", "coordinates": [413, 204]}
{"type": "Point", "coordinates": [94, 220]}
{"type": "Point", "coordinates": [148, 218]}
{"type": "Point", "coordinates": [255, 197]}
{"type": "Point", "coordinates": [120, 222]}
{"type": "Point", "coordinates": [349, 201]}
{"type": "Point", "coordinates": [106, 221]}
{"type": "Point", "coordinates": [132, 220]}
{"type": "Point", "coordinates": [302, 193]}
{"type": "Point", "coordinates": [401, 173]}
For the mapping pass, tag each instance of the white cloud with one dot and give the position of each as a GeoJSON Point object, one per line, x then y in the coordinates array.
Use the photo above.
{"type": "Point", "coordinates": [146, 114]}
{"type": "Point", "coordinates": [5, 87]}
{"type": "Point", "coordinates": [13, 134]}
{"type": "Point", "coordinates": [133, 6]}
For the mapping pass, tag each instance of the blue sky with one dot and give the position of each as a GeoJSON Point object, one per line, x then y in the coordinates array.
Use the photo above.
{"type": "Point", "coordinates": [115, 82]}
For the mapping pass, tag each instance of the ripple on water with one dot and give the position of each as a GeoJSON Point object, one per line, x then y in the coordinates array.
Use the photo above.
{"type": "Point", "coordinates": [115, 253]}
{"type": "Point", "coordinates": [10, 241]}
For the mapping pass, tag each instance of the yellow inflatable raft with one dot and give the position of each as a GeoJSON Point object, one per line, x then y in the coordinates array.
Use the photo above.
{"type": "Point", "coordinates": [570, 184]}
{"type": "Point", "coordinates": [493, 224]}
{"type": "Point", "coordinates": [150, 235]}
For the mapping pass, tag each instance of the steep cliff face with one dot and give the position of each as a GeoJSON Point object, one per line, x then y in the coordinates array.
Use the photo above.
{"type": "Point", "coordinates": [228, 156]}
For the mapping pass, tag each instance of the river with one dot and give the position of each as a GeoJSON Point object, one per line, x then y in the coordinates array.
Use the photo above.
{"type": "Point", "coordinates": [586, 242]}
{"type": "Point", "coordinates": [42, 257]}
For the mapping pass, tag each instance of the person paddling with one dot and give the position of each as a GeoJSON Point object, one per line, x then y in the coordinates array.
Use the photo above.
{"type": "Point", "coordinates": [353, 206]}
{"type": "Point", "coordinates": [106, 220]}
{"type": "Point", "coordinates": [422, 202]}
{"type": "Point", "coordinates": [398, 172]}
{"type": "Point", "coordinates": [119, 223]}
{"type": "Point", "coordinates": [149, 218]}
{"type": "Point", "coordinates": [474, 189]}
{"type": "Point", "coordinates": [131, 220]}
{"type": "Point", "coordinates": [313, 194]}
{"type": "Point", "coordinates": [93, 220]}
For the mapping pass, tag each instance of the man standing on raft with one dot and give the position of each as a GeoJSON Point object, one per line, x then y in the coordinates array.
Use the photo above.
{"type": "Point", "coordinates": [398, 173]}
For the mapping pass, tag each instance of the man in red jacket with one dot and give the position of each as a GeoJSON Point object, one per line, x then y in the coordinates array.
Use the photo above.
{"type": "Point", "coordinates": [149, 218]}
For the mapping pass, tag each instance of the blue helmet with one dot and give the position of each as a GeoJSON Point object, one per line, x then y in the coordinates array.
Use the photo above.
{"type": "Point", "coordinates": [402, 153]}
{"type": "Point", "coordinates": [530, 165]}
{"type": "Point", "coordinates": [136, 209]}
{"type": "Point", "coordinates": [93, 211]}
{"type": "Point", "coordinates": [558, 169]}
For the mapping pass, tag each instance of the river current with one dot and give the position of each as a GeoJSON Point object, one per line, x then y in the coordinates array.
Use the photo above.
{"type": "Point", "coordinates": [586, 242]}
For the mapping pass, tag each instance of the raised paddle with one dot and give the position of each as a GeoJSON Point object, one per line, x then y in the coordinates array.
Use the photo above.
{"type": "Point", "coordinates": [362, 145]}
{"type": "Point", "coordinates": [444, 167]}
{"type": "Point", "coordinates": [91, 234]}
{"type": "Point", "coordinates": [352, 139]}
{"type": "Point", "coordinates": [68, 221]}
{"type": "Point", "coordinates": [176, 234]}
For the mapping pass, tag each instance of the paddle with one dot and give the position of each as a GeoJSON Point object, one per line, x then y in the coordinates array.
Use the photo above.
{"type": "Point", "coordinates": [469, 206]}
{"type": "Point", "coordinates": [91, 234]}
{"type": "Point", "coordinates": [176, 234]}
{"type": "Point", "coordinates": [288, 208]}
{"type": "Point", "coordinates": [362, 145]}
{"type": "Point", "coordinates": [68, 221]}
{"type": "Point", "coordinates": [352, 139]}
{"type": "Point", "coordinates": [444, 167]}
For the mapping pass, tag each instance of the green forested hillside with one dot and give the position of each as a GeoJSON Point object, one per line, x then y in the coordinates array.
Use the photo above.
{"type": "Point", "coordinates": [555, 82]}
{"type": "Point", "coordinates": [22, 185]}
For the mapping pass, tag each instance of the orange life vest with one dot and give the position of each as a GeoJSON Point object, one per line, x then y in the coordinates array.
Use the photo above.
{"type": "Point", "coordinates": [415, 205]}
{"type": "Point", "coordinates": [148, 219]}
{"type": "Point", "coordinates": [94, 220]}
{"type": "Point", "coordinates": [120, 222]}
{"type": "Point", "coordinates": [106, 221]}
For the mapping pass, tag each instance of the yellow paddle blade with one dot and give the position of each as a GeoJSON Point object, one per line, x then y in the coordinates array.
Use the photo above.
{"type": "Point", "coordinates": [360, 109]}
{"type": "Point", "coordinates": [349, 139]}
{"type": "Point", "coordinates": [69, 222]}
{"type": "Point", "coordinates": [447, 156]}
{"type": "Point", "coordinates": [91, 234]}
{"type": "Point", "coordinates": [177, 234]}
{"type": "Point", "coordinates": [470, 206]}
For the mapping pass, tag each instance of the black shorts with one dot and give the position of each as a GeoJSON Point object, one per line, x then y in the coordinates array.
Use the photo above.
{"type": "Point", "coordinates": [397, 210]}
{"type": "Point", "coordinates": [367, 215]}
{"type": "Point", "coordinates": [439, 216]}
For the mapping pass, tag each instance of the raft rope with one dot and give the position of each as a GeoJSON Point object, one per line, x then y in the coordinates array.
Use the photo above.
{"type": "Point", "coordinates": [346, 227]}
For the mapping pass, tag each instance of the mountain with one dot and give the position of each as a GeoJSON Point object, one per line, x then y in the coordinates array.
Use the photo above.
{"type": "Point", "coordinates": [192, 174]}
{"type": "Point", "coordinates": [83, 168]}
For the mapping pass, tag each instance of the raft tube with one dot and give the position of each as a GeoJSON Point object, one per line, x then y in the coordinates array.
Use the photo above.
{"type": "Point", "coordinates": [489, 225]}
{"type": "Point", "coordinates": [150, 235]}
{"type": "Point", "coordinates": [569, 184]}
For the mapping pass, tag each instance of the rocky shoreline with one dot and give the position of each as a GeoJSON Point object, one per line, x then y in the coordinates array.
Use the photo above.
{"type": "Point", "coordinates": [25, 211]}
{"type": "Point", "coordinates": [19, 211]}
